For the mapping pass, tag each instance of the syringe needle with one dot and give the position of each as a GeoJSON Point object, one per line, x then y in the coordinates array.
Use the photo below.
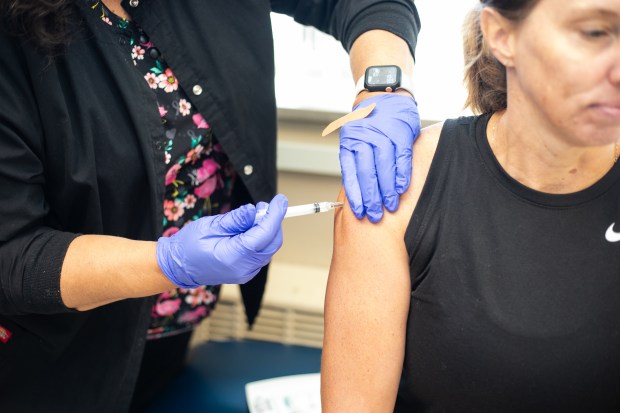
{"type": "Point", "coordinates": [306, 209]}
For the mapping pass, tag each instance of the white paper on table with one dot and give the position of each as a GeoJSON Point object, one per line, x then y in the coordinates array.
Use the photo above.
{"type": "Point", "coordinates": [288, 394]}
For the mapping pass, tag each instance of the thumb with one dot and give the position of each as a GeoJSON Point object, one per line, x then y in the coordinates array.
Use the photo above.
{"type": "Point", "coordinates": [261, 235]}
{"type": "Point", "coordinates": [237, 221]}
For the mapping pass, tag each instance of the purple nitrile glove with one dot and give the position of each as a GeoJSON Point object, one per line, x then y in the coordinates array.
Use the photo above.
{"type": "Point", "coordinates": [223, 249]}
{"type": "Point", "coordinates": [375, 154]}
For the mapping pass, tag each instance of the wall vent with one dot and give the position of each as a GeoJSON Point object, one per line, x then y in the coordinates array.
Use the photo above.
{"type": "Point", "coordinates": [274, 323]}
{"type": "Point", "coordinates": [291, 313]}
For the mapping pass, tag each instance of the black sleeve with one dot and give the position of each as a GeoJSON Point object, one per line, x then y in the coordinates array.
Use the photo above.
{"type": "Point", "coordinates": [31, 249]}
{"type": "Point", "coordinates": [347, 19]}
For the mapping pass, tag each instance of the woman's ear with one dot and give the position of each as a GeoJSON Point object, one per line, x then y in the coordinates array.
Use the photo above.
{"type": "Point", "coordinates": [498, 34]}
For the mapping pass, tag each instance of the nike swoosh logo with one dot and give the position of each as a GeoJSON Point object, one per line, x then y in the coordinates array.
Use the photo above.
{"type": "Point", "coordinates": [611, 235]}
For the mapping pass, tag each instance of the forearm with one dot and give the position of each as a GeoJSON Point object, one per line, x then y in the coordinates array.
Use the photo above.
{"type": "Point", "coordinates": [98, 270]}
{"type": "Point", "coordinates": [364, 346]}
{"type": "Point", "coordinates": [379, 47]}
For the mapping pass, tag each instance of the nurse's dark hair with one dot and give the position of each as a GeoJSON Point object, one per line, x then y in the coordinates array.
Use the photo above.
{"type": "Point", "coordinates": [485, 76]}
{"type": "Point", "coordinates": [44, 23]}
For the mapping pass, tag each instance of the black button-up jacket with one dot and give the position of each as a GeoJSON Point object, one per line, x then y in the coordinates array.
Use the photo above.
{"type": "Point", "coordinates": [81, 152]}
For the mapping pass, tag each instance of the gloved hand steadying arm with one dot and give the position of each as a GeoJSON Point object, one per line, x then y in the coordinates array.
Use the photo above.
{"type": "Point", "coordinates": [223, 249]}
{"type": "Point", "coordinates": [375, 154]}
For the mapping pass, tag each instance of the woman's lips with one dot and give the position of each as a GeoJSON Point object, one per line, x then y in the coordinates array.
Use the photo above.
{"type": "Point", "coordinates": [608, 110]}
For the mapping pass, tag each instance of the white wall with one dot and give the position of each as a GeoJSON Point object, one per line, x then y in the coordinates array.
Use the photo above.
{"type": "Point", "coordinates": [312, 69]}
{"type": "Point", "coordinates": [312, 74]}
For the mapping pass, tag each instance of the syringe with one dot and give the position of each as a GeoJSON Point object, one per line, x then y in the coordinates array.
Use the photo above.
{"type": "Point", "coordinates": [307, 209]}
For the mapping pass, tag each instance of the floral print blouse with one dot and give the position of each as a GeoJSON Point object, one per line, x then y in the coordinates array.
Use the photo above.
{"type": "Point", "coordinates": [199, 180]}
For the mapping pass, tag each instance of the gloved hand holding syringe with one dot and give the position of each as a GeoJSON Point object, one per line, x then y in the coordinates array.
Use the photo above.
{"type": "Point", "coordinates": [306, 209]}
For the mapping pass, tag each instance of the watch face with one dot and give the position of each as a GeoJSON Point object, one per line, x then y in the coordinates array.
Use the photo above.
{"type": "Point", "coordinates": [382, 76]}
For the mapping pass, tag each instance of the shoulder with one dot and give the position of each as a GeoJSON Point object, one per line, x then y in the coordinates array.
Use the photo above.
{"type": "Point", "coordinates": [393, 225]}
{"type": "Point", "coordinates": [423, 153]}
{"type": "Point", "coordinates": [425, 146]}
{"type": "Point", "coordinates": [430, 132]}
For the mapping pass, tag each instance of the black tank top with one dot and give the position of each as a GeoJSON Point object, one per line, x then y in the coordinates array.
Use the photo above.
{"type": "Point", "coordinates": [515, 303]}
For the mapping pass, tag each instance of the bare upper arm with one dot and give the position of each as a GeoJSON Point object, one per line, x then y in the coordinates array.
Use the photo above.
{"type": "Point", "coordinates": [367, 300]}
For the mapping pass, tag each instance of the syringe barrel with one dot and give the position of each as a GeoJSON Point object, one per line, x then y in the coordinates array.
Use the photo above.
{"type": "Point", "coordinates": [298, 210]}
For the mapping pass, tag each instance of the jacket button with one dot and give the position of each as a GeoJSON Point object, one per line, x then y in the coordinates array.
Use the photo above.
{"type": "Point", "coordinates": [248, 169]}
{"type": "Point", "coordinates": [197, 90]}
{"type": "Point", "coordinates": [134, 3]}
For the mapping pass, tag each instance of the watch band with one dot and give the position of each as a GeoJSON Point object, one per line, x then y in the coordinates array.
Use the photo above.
{"type": "Point", "coordinates": [406, 84]}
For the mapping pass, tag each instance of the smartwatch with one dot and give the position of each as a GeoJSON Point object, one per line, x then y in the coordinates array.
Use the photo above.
{"type": "Point", "coordinates": [384, 79]}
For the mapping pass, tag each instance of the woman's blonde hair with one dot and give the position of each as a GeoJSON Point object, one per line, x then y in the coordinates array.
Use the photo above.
{"type": "Point", "coordinates": [485, 76]}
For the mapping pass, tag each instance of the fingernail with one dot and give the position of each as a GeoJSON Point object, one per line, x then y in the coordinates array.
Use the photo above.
{"type": "Point", "coordinates": [375, 217]}
{"type": "Point", "coordinates": [401, 186]}
{"type": "Point", "coordinates": [358, 212]}
{"type": "Point", "coordinates": [391, 202]}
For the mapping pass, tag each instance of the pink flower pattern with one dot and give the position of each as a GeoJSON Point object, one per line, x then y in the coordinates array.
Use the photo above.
{"type": "Point", "coordinates": [194, 154]}
{"type": "Point", "coordinates": [184, 107]}
{"type": "Point", "coordinates": [194, 316]}
{"type": "Point", "coordinates": [167, 81]}
{"type": "Point", "coordinates": [173, 210]}
{"type": "Point", "coordinates": [190, 201]}
{"type": "Point", "coordinates": [167, 307]}
{"type": "Point", "coordinates": [200, 122]}
{"type": "Point", "coordinates": [151, 79]}
{"type": "Point", "coordinates": [137, 53]}
{"type": "Point", "coordinates": [171, 175]}
{"type": "Point", "coordinates": [206, 188]}
{"type": "Point", "coordinates": [199, 296]}
{"type": "Point", "coordinates": [198, 181]}
{"type": "Point", "coordinates": [170, 231]}
{"type": "Point", "coordinates": [208, 169]}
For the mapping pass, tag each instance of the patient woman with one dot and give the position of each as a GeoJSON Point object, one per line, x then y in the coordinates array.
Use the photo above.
{"type": "Point", "coordinates": [495, 287]}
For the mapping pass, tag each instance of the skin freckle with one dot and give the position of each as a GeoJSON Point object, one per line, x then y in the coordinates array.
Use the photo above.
{"type": "Point", "coordinates": [573, 171]}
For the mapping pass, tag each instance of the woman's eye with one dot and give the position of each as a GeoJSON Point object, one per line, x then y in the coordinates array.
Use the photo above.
{"type": "Point", "coordinates": [595, 33]}
{"type": "Point", "coordinates": [602, 31]}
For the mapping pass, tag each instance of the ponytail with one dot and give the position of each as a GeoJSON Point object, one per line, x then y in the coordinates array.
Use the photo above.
{"type": "Point", "coordinates": [485, 76]}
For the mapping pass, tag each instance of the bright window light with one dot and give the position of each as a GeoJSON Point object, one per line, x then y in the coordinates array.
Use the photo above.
{"type": "Point", "coordinates": [312, 69]}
